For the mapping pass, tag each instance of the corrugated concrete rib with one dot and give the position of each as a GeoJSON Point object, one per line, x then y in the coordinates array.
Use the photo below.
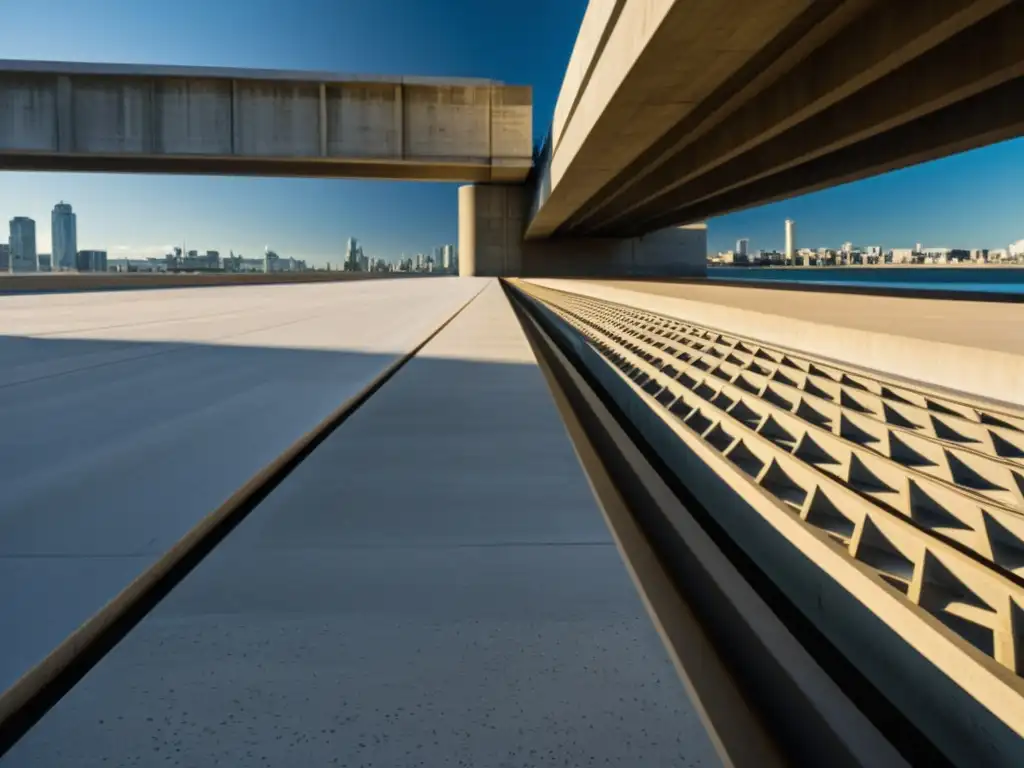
{"type": "Point", "coordinates": [434, 585]}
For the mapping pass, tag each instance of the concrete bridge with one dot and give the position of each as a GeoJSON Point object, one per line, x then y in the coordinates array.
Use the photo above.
{"type": "Point", "coordinates": [411, 543]}
{"type": "Point", "coordinates": [145, 119]}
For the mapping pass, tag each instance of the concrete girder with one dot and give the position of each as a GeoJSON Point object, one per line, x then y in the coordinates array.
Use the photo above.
{"type": "Point", "coordinates": [642, 85]}
{"type": "Point", "coordinates": [938, 79]}
{"type": "Point", "coordinates": [122, 118]}
{"type": "Point", "coordinates": [993, 116]}
{"type": "Point", "coordinates": [888, 36]}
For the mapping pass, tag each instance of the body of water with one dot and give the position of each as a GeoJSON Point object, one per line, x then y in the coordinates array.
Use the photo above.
{"type": "Point", "coordinates": [980, 279]}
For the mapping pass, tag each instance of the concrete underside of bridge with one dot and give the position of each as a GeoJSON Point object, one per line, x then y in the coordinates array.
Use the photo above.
{"type": "Point", "coordinates": [491, 244]}
{"type": "Point", "coordinates": [766, 99]}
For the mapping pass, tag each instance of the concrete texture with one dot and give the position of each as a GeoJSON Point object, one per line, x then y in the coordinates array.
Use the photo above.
{"type": "Point", "coordinates": [491, 220]}
{"type": "Point", "coordinates": [816, 472]}
{"type": "Point", "coordinates": [763, 101]}
{"type": "Point", "coordinates": [191, 120]}
{"type": "Point", "coordinates": [52, 282]}
{"type": "Point", "coordinates": [974, 347]}
{"type": "Point", "coordinates": [128, 416]}
{"type": "Point", "coordinates": [433, 586]}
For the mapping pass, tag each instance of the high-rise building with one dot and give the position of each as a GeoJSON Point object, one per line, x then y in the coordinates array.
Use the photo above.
{"type": "Point", "coordinates": [5, 257]}
{"type": "Point", "coordinates": [448, 259]}
{"type": "Point", "coordinates": [741, 246]}
{"type": "Point", "coordinates": [790, 240]}
{"type": "Point", "coordinates": [91, 261]}
{"type": "Point", "coordinates": [23, 245]}
{"type": "Point", "coordinates": [64, 231]}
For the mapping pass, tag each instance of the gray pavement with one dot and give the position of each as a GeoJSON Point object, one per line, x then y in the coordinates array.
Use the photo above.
{"type": "Point", "coordinates": [433, 586]}
{"type": "Point", "coordinates": [125, 417]}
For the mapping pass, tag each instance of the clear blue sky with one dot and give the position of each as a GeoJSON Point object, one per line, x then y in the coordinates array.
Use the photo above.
{"type": "Point", "coordinates": [975, 199]}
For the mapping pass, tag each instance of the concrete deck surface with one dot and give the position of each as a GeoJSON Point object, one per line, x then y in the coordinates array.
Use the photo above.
{"type": "Point", "coordinates": [125, 417]}
{"type": "Point", "coordinates": [433, 586]}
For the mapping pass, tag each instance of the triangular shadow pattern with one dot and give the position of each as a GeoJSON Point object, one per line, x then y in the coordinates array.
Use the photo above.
{"type": "Point", "coordinates": [1007, 548]}
{"type": "Point", "coordinates": [863, 479]}
{"type": "Point", "coordinates": [928, 513]}
{"type": "Point", "coordinates": [779, 483]}
{"type": "Point", "coordinates": [969, 477]}
{"type": "Point", "coordinates": [875, 549]}
{"type": "Point", "coordinates": [822, 513]}
{"type": "Point", "coordinates": [905, 455]}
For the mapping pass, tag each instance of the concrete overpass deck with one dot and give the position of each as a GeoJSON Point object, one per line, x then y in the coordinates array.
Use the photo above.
{"type": "Point", "coordinates": [433, 585]}
{"type": "Point", "coordinates": [125, 417]}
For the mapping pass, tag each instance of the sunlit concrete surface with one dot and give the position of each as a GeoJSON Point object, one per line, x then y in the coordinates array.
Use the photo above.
{"type": "Point", "coordinates": [434, 586]}
{"type": "Point", "coordinates": [974, 347]}
{"type": "Point", "coordinates": [127, 416]}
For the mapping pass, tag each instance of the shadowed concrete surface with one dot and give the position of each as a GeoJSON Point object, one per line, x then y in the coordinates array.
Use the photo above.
{"type": "Point", "coordinates": [435, 585]}
{"type": "Point", "coordinates": [126, 417]}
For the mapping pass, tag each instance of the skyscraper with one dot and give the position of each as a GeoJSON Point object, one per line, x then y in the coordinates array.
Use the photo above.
{"type": "Point", "coordinates": [790, 241]}
{"type": "Point", "coordinates": [64, 229]}
{"type": "Point", "coordinates": [23, 245]}
{"type": "Point", "coordinates": [741, 246]}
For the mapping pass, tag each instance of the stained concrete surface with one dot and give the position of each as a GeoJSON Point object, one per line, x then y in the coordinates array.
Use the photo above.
{"type": "Point", "coordinates": [126, 417]}
{"type": "Point", "coordinates": [433, 586]}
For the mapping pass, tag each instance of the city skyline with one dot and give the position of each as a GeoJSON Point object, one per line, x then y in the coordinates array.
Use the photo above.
{"type": "Point", "coordinates": [970, 198]}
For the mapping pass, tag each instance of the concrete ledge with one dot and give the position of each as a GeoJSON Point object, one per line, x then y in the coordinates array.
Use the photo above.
{"type": "Point", "coordinates": [969, 347]}
{"type": "Point", "coordinates": [116, 281]}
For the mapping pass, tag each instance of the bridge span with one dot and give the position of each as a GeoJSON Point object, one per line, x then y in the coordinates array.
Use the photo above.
{"type": "Point", "coordinates": [163, 119]}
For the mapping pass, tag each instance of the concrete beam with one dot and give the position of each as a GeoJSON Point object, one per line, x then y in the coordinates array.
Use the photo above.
{"type": "Point", "coordinates": [190, 120]}
{"type": "Point", "coordinates": [993, 116]}
{"type": "Point", "coordinates": [935, 80]}
{"type": "Point", "coordinates": [631, 98]}
{"type": "Point", "coordinates": [816, 78]}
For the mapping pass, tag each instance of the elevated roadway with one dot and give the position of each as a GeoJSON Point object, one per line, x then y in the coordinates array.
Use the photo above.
{"type": "Point", "coordinates": [678, 110]}
{"type": "Point", "coordinates": [161, 119]}
{"type": "Point", "coordinates": [434, 585]}
{"type": "Point", "coordinates": [128, 416]}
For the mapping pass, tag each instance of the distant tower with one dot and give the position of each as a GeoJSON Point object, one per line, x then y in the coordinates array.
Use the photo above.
{"type": "Point", "coordinates": [741, 246]}
{"type": "Point", "coordinates": [64, 231]}
{"type": "Point", "coordinates": [790, 241]}
{"type": "Point", "coordinates": [23, 257]}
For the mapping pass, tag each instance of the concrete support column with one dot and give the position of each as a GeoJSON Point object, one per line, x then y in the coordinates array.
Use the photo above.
{"type": "Point", "coordinates": [491, 244]}
{"type": "Point", "coordinates": [491, 230]}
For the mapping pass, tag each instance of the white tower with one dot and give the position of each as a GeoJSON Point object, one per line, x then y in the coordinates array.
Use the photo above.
{"type": "Point", "coordinates": [790, 241]}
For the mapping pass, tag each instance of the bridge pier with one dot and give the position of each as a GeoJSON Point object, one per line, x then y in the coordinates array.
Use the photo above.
{"type": "Point", "coordinates": [491, 244]}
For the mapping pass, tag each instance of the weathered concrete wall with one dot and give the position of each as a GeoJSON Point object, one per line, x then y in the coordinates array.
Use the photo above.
{"type": "Point", "coordinates": [253, 122]}
{"type": "Point", "coordinates": [491, 223]}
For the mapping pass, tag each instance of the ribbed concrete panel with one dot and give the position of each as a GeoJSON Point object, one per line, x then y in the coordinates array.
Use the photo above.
{"type": "Point", "coordinates": [112, 115]}
{"type": "Point", "coordinates": [194, 117]}
{"type": "Point", "coordinates": [277, 120]}
{"type": "Point", "coordinates": [879, 497]}
{"type": "Point", "coordinates": [448, 122]}
{"type": "Point", "coordinates": [28, 112]}
{"type": "Point", "coordinates": [364, 120]}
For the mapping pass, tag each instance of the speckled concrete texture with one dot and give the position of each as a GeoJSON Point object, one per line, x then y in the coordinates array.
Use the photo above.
{"type": "Point", "coordinates": [126, 417]}
{"type": "Point", "coordinates": [434, 586]}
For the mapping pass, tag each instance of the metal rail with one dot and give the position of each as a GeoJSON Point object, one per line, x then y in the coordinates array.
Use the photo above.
{"type": "Point", "coordinates": [890, 517]}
